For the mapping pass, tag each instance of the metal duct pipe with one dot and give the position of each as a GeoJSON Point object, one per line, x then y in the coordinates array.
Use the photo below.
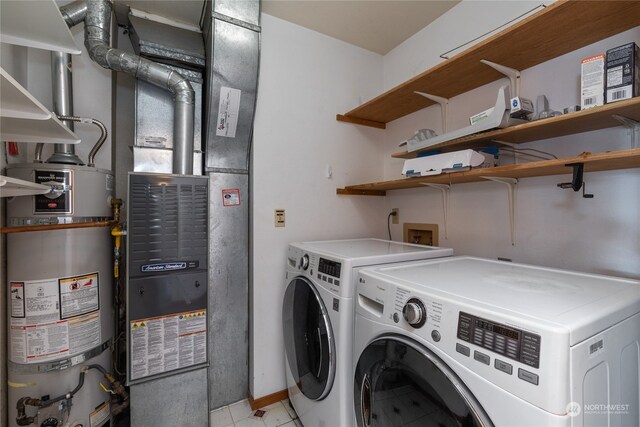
{"type": "Point", "coordinates": [63, 105]}
{"type": "Point", "coordinates": [97, 27]}
{"type": "Point", "coordinates": [74, 13]}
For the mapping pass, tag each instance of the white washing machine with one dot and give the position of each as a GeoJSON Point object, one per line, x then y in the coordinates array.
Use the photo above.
{"type": "Point", "coordinates": [470, 342]}
{"type": "Point", "coordinates": [318, 312]}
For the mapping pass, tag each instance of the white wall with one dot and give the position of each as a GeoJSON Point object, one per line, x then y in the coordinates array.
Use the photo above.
{"type": "Point", "coordinates": [554, 227]}
{"type": "Point", "coordinates": [305, 79]}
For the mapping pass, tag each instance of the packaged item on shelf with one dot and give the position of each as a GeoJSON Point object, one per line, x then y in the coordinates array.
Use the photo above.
{"type": "Point", "coordinates": [520, 108]}
{"type": "Point", "coordinates": [571, 109]}
{"type": "Point", "coordinates": [592, 82]}
{"type": "Point", "coordinates": [491, 157]}
{"type": "Point", "coordinates": [441, 163]}
{"type": "Point", "coordinates": [623, 72]}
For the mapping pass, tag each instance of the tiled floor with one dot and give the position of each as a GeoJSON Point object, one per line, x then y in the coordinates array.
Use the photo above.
{"type": "Point", "coordinates": [240, 414]}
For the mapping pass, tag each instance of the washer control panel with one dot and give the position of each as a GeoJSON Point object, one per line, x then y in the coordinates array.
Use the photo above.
{"type": "Point", "coordinates": [504, 340]}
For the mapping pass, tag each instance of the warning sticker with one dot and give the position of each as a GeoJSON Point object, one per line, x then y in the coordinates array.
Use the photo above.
{"type": "Point", "coordinates": [228, 112]}
{"type": "Point", "coordinates": [41, 301]}
{"type": "Point", "coordinates": [84, 332]}
{"type": "Point", "coordinates": [100, 416]}
{"type": "Point", "coordinates": [78, 295]}
{"type": "Point", "coordinates": [47, 342]}
{"type": "Point", "coordinates": [17, 299]}
{"type": "Point", "coordinates": [231, 197]}
{"type": "Point", "coordinates": [41, 334]}
{"type": "Point", "coordinates": [166, 343]}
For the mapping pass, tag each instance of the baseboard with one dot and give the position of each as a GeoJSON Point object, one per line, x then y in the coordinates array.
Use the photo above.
{"type": "Point", "coordinates": [267, 400]}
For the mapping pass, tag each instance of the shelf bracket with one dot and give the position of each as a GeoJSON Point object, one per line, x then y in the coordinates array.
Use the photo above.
{"type": "Point", "coordinates": [512, 73]}
{"type": "Point", "coordinates": [444, 107]}
{"type": "Point", "coordinates": [511, 185]}
{"type": "Point", "coordinates": [445, 189]}
{"type": "Point", "coordinates": [632, 125]}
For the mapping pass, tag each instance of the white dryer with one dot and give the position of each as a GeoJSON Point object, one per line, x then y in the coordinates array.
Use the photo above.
{"type": "Point", "coordinates": [318, 313]}
{"type": "Point", "coordinates": [473, 342]}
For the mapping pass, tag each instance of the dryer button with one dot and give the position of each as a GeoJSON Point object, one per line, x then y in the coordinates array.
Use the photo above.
{"type": "Point", "coordinates": [481, 357]}
{"type": "Point", "coordinates": [396, 317]}
{"type": "Point", "coordinates": [435, 335]}
{"type": "Point", "coordinates": [503, 366]}
{"type": "Point", "coordinates": [527, 376]}
{"type": "Point", "coordinates": [463, 349]}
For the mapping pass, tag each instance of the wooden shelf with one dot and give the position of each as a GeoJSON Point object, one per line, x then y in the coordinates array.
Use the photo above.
{"type": "Point", "coordinates": [10, 187]}
{"type": "Point", "coordinates": [624, 159]}
{"type": "Point", "coordinates": [36, 24]}
{"type": "Point", "coordinates": [24, 119]}
{"type": "Point", "coordinates": [558, 29]}
{"type": "Point", "coordinates": [567, 124]}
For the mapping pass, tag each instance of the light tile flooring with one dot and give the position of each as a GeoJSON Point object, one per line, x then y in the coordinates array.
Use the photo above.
{"type": "Point", "coordinates": [240, 414]}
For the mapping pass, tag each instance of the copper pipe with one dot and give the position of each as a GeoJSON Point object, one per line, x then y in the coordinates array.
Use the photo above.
{"type": "Point", "coordinates": [26, 228]}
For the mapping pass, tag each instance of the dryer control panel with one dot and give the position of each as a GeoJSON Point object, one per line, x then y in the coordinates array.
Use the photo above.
{"type": "Point", "coordinates": [505, 340]}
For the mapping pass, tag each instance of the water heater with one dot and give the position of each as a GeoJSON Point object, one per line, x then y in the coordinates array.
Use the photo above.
{"type": "Point", "coordinates": [60, 312]}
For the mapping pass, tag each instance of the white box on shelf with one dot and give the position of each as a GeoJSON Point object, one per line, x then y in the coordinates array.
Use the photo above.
{"type": "Point", "coordinates": [439, 163]}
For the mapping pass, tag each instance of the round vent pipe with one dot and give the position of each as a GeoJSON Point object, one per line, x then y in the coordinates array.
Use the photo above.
{"type": "Point", "coordinates": [96, 15]}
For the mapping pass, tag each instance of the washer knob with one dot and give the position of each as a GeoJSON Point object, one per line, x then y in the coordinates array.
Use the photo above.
{"type": "Point", "coordinates": [304, 262]}
{"type": "Point", "coordinates": [415, 313]}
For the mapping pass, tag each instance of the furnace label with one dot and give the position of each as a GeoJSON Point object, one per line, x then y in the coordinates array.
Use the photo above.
{"type": "Point", "coordinates": [79, 295]}
{"type": "Point", "coordinates": [166, 343]}
{"type": "Point", "coordinates": [42, 334]}
{"type": "Point", "coordinates": [228, 112]}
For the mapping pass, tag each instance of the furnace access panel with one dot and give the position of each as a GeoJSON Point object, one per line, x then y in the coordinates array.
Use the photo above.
{"type": "Point", "coordinates": [167, 249]}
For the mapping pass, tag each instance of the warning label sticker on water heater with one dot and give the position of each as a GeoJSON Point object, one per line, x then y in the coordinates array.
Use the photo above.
{"type": "Point", "coordinates": [49, 321]}
{"type": "Point", "coordinates": [79, 295]}
{"type": "Point", "coordinates": [166, 343]}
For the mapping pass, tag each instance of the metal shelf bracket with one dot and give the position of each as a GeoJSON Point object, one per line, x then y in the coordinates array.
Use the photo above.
{"type": "Point", "coordinates": [444, 107]}
{"type": "Point", "coordinates": [445, 189]}
{"type": "Point", "coordinates": [511, 186]}
{"type": "Point", "coordinates": [632, 125]}
{"type": "Point", "coordinates": [511, 73]}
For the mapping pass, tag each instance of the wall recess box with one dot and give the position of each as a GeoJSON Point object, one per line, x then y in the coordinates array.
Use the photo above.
{"type": "Point", "coordinates": [421, 234]}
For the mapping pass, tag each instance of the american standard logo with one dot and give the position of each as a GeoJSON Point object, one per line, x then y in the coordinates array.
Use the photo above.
{"type": "Point", "coordinates": [168, 266]}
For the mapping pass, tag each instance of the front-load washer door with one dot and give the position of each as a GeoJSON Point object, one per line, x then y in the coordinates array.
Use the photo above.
{"type": "Point", "coordinates": [399, 382]}
{"type": "Point", "coordinates": [308, 339]}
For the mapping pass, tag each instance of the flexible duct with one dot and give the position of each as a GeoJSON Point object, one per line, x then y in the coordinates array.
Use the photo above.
{"type": "Point", "coordinates": [96, 15]}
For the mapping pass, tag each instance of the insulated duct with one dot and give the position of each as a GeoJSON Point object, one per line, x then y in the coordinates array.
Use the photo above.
{"type": "Point", "coordinates": [96, 15]}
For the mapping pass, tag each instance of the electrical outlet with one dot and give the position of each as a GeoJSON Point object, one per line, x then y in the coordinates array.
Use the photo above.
{"type": "Point", "coordinates": [395, 219]}
{"type": "Point", "coordinates": [279, 217]}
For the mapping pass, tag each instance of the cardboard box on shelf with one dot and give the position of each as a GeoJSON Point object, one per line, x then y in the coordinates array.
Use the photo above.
{"type": "Point", "coordinates": [592, 82]}
{"type": "Point", "coordinates": [623, 72]}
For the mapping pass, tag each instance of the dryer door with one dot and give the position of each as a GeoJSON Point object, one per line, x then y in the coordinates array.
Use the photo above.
{"type": "Point", "coordinates": [399, 382]}
{"type": "Point", "coordinates": [308, 339]}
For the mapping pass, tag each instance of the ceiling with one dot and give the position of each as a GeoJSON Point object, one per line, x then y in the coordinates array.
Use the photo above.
{"type": "Point", "coordinates": [375, 25]}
